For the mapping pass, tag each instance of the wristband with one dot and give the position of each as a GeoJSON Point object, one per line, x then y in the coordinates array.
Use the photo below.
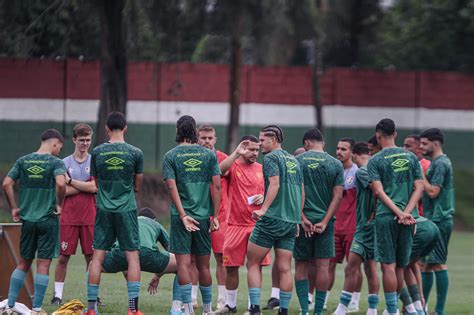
{"type": "Point", "coordinates": [70, 180]}
{"type": "Point", "coordinates": [181, 218]}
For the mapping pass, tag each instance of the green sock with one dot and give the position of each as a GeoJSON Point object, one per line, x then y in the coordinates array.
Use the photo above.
{"type": "Point", "coordinates": [405, 296]}
{"type": "Point", "coordinates": [319, 301]}
{"type": "Point", "coordinates": [414, 292]}
{"type": "Point", "coordinates": [442, 285]}
{"type": "Point", "coordinates": [427, 279]}
{"type": "Point", "coordinates": [302, 288]}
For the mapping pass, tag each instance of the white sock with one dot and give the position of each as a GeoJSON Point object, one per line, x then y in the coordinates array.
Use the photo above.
{"type": "Point", "coordinates": [341, 309]}
{"type": "Point", "coordinates": [231, 297]}
{"type": "Point", "coordinates": [194, 292]}
{"type": "Point", "coordinates": [355, 298]}
{"type": "Point", "coordinates": [310, 298]}
{"type": "Point", "coordinates": [176, 305]}
{"type": "Point", "coordinates": [36, 309]}
{"type": "Point", "coordinates": [275, 293]}
{"type": "Point", "coordinates": [418, 305]}
{"type": "Point", "coordinates": [206, 307]}
{"type": "Point", "coordinates": [327, 297]}
{"type": "Point", "coordinates": [221, 292]}
{"type": "Point", "coordinates": [371, 311]}
{"type": "Point", "coordinates": [248, 301]}
{"type": "Point", "coordinates": [410, 308]}
{"type": "Point", "coordinates": [58, 289]}
{"type": "Point", "coordinates": [188, 308]}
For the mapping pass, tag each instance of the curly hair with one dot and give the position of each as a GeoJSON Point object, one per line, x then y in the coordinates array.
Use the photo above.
{"type": "Point", "coordinates": [186, 129]}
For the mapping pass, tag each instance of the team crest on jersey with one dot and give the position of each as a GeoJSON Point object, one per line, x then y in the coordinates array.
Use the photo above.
{"type": "Point", "coordinates": [64, 245]}
{"type": "Point", "coordinates": [88, 170]}
{"type": "Point", "coordinates": [70, 170]}
{"type": "Point", "coordinates": [349, 179]}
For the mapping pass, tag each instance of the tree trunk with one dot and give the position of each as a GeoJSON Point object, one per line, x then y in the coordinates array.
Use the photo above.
{"type": "Point", "coordinates": [234, 83]}
{"type": "Point", "coordinates": [316, 72]}
{"type": "Point", "coordinates": [113, 62]}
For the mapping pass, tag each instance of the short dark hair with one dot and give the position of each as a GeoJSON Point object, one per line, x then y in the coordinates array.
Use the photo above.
{"type": "Point", "coordinates": [373, 141]}
{"type": "Point", "coordinates": [186, 129]}
{"type": "Point", "coordinates": [206, 128]}
{"type": "Point", "coordinates": [251, 138]}
{"type": "Point", "coordinates": [433, 134]}
{"type": "Point", "coordinates": [386, 126]}
{"type": "Point", "coordinates": [52, 134]}
{"type": "Point", "coordinates": [116, 121]}
{"type": "Point", "coordinates": [348, 140]}
{"type": "Point", "coordinates": [273, 131]}
{"type": "Point", "coordinates": [313, 134]}
{"type": "Point", "coordinates": [81, 130]}
{"type": "Point", "coordinates": [147, 212]}
{"type": "Point", "coordinates": [413, 136]}
{"type": "Point", "coordinates": [361, 148]}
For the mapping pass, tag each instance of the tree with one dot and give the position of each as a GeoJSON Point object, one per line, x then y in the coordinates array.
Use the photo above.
{"type": "Point", "coordinates": [113, 62]}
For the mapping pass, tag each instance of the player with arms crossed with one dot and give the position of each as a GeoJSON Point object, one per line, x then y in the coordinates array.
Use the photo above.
{"type": "Point", "coordinates": [362, 248]}
{"type": "Point", "coordinates": [117, 168]}
{"type": "Point", "coordinates": [78, 216]}
{"type": "Point", "coordinates": [324, 182]}
{"type": "Point", "coordinates": [246, 187]}
{"type": "Point", "coordinates": [278, 218]}
{"type": "Point", "coordinates": [42, 191]}
{"type": "Point", "coordinates": [438, 203]}
{"type": "Point", "coordinates": [395, 179]}
{"type": "Point", "coordinates": [189, 169]}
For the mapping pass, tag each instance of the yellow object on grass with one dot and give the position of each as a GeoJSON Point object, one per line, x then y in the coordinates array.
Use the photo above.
{"type": "Point", "coordinates": [73, 307]}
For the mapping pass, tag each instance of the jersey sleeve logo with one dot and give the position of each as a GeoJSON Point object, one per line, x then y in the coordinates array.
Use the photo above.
{"type": "Point", "coordinates": [115, 163]}
{"type": "Point", "coordinates": [35, 171]}
{"type": "Point", "coordinates": [192, 165]}
{"type": "Point", "coordinates": [400, 165]}
{"type": "Point", "coordinates": [313, 166]}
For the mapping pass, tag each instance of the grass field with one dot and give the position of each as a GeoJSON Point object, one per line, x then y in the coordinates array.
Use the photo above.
{"type": "Point", "coordinates": [113, 289]}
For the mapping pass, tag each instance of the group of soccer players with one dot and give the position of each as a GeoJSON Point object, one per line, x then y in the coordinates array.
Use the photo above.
{"type": "Point", "coordinates": [363, 205]}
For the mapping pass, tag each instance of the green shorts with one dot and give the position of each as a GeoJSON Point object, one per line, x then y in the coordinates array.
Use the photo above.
{"type": "Point", "coordinates": [269, 232]}
{"type": "Point", "coordinates": [41, 237]}
{"type": "Point", "coordinates": [112, 226]}
{"type": "Point", "coordinates": [184, 242]}
{"type": "Point", "coordinates": [439, 254]}
{"type": "Point", "coordinates": [363, 242]}
{"type": "Point", "coordinates": [150, 260]}
{"type": "Point", "coordinates": [317, 246]}
{"type": "Point", "coordinates": [425, 239]}
{"type": "Point", "coordinates": [393, 241]}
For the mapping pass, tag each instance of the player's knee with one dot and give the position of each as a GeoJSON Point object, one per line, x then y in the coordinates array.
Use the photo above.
{"type": "Point", "coordinates": [63, 260]}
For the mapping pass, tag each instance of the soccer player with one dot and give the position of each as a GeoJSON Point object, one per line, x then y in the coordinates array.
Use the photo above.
{"type": "Point", "coordinates": [207, 138]}
{"type": "Point", "coordinates": [42, 191]}
{"type": "Point", "coordinates": [412, 143]}
{"type": "Point", "coordinates": [246, 187]}
{"type": "Point", "coordinates": [438, 203]}
{"type": "Point", "coordinates": [344, 227]}
{"type": "Point", "coordinates": [374, 146]}
{"type": "Point", "coordinates": [117, 168]}
{"type": "Point", "coordinates": [395, 179]}
{"type": "Point", "coordinates": [278, 218]}
{"type": "Point", "coordinates": [78, 216]}
{"type": "Point", "coordinates": [362, 248]}
{"type": "Point", "coordinates": [189, 169]}
{"type": "Point", "coordinates": [152, 259]}
{"type": "Point", "coordinates": [324, 182]}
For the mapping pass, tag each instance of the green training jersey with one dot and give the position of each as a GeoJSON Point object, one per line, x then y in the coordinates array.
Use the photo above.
{"type": "Point", "coordinates": [152, 232]}
{"type": "Point", "coordinates": [287, 204]}
{"type": "Point", "coordinates": [192, 167]}
{"type": "Point", "coordinates": [321, 173]}
{"type": "Point", "coordinates": [440, 173]}
{"type": "Point", "coordinates": [397, 170]}
{"type": "Point", "coordinates": [113, 165]}
{"type": "Point", "coordinates": [365, 204]}
{"type": "Point", "coordinates": [37, 174]}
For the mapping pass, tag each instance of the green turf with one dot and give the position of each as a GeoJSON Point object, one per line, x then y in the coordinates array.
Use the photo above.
{"type": "Point", "coordinates": [113, 288]}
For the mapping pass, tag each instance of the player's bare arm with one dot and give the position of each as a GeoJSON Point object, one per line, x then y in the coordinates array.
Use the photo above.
{"type": "Point", "coordinates": [335, 201]}
{"type": "Point", "coordinates": [377, 188]}
{"type": "Point", "coordinates": [189, 223]}
{"type": "Point", "coordinates": [216, 200]}
{"type": "Point", "coordinates": [272, 192]}
{"type": "Point", "coordinates": [240, 150]}
{"type": "Point", "coordinates": [10, 195]}
{"type": "Point", "coordinates": [431, 190]}
{"type": "Point", "coordinates": [415, 196]}
{"type": "Point", "coordinates": [79, 186]}
{"type": "Point", "coordinates": [60, 193]}
{"type": "Point", "coordinates": [137, 182]}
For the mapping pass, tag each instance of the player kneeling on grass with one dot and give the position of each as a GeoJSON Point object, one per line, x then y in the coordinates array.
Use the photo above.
{"type": "Point", "coordinates": [323, 183]}
{"type": "Point", "coordinates": [278, 219]}
{"type": "Point", "coordinates": [42, 191]}
{"type": "Point", "coordinates": [188, 170]}
{"type": "Point", "coordinates": [152, 259]}
{"type": "Point", "coordinates": [362, 248]}
{"type": "Point", "coordinates": [246, 186]}
{"type": "Point", "coordinates": [425, 240]}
